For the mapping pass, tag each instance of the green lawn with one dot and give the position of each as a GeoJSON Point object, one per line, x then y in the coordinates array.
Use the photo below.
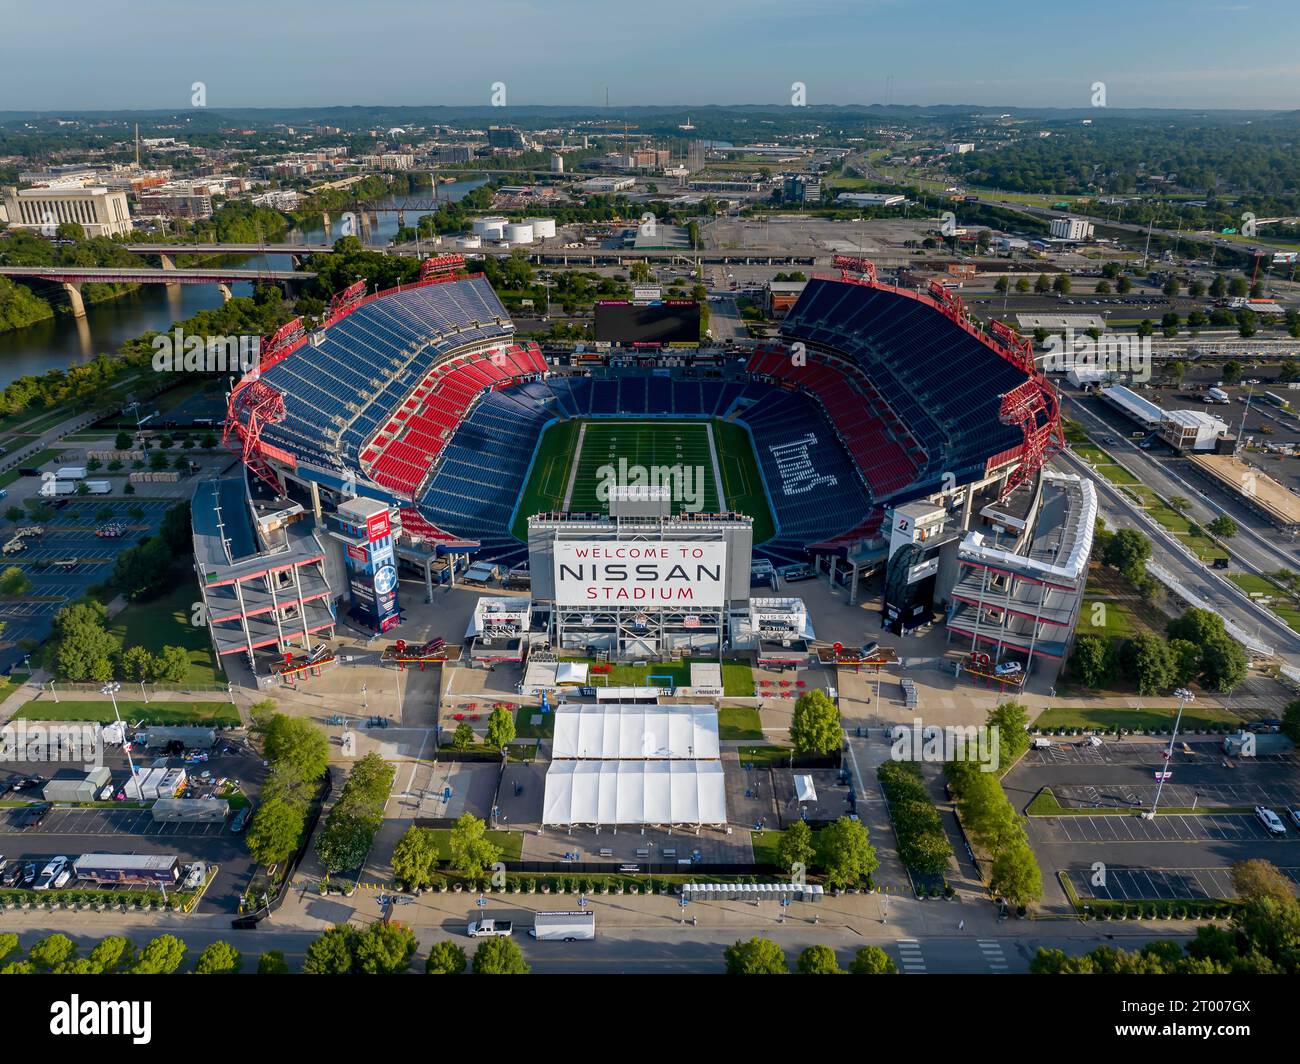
{"type": "Point", "coordinates": [656, 443]}
{"type": "Point", "coordinates": [166, 622]}
{"type": "Point", "coordinates": [220, 713]}
{"type": "Point", "coordinates": [737, 676]}
{"type": "Point", "coordinates": [739, 722]}
{"type": "Point", "coordinates": [511, 843]}
{"type": "Point", "coordinates": [1279, 601]}
{"type": "Point", "coordinates": [1101, 718]}
{"type": "Point", "coordinates": [525, 729]}
{"type": "Point", "coordinates": [1101, 616]}
{"type": "Point", "coordinates": [765, 755]}
{"type": "Point", "coordinates": [38, 459]}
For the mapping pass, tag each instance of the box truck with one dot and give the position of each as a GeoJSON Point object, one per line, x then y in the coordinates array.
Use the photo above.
{"type": "Point", "coordinates": [70, 472]}
{"type": "Point", "coordinates": [564, 926]}
{"type": "Point", "coordinates": [98, 487]}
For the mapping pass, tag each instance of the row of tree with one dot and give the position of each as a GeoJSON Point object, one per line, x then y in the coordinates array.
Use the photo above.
{"type": "Point", "coordinates": [470, 851]}
{"type": "Point", "coordinates": [762, 956]}
{"type": "Point", "coordinates": [388, 949]}
{"type": "Point", "coordinates": [57, 954]}
{"type": "Point", "coordinates": [83, 650]}
{"type": "Point", "coordinates": [841, 851]}
{"type": "Point", "coordinates": [922, 843]}
{"type": "Point", "coordinates": [297, 755]}
{"type": "Point", "coordinates": [350, 827]}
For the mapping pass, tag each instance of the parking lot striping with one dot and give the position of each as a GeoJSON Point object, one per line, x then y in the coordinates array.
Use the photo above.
{"type": "Point", "coordinates": [1123, 883]}
{"type": "Point", "coordinates": [1175, 827]}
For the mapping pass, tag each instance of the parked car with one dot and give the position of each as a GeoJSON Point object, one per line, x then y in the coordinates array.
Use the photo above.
{"type": "Point", "coordinates": [11, 875]}
{"type": "Point", "coordinates": [1007, 668]}
{"type": "Point", "coordinates": [52, 870]}
{"type": "Point", "coordinates": [868, 649]}
{"type": "Point", "coordinates": [61, 880]}
{"type": "Point", "coordinates": [1270, 820]}
{"type": "Point", "coordinates": [29, 874]}
{"type": "Point", "coordinates": [36, 816]}
{"type": "Point", "coordinates": [1294, 814]}
{"type": "Point", "coordinates": [240, 820]}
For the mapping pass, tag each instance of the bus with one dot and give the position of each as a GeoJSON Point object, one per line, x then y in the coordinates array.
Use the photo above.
{"type": "Point", "coordinates": [1276, 400]}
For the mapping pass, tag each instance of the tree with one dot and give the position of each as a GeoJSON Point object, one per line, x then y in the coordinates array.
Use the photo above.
{"type": "Point", "coordinates": [51, 951]}
{"type": "Point", "coordinates": [472, 852]}
{"type": "Point", "coordinates": [219, 958]}
{"type": "Point", "coordinates": [1222, 526]}
{"type": "Point", "coordinates": [331, 952]}
{"type": "Point", "coordinates": [1172, 286]}
{"type": "Point", "coordinates": [445, 958]}
{"type": "Point", "coordinates": [1022, 284]}
{"type": "Point", "coordinates": [276, 828]}
{"type": "Point", "coordinates": [172, 665]}
{"type": "Point", "coordinates": [1002, 285]}
{"type": "Point", "coordinates": [845, 853]}
{"type": "Point", "coordinates": [815, 726]}
{"type": "Point", "coordinates": [1093, 661]}
{"type": "Point", "coordinates": [383, 949]}
{"type": "Point", "coordinates": [1061, 286]}
{"type": "Point", "coordinates": [1223, 664]}
{"type": "Point", "coordinates": [1127, 550]}
{"type": "Point", "coordinates": [161, 956]}
{"type": "Point", "coordinates": [113, 954]}
{"type": "Point", "coordinates": [1123, 286]}
{"type": "Point", "coordinates": [343, 842]}
{"type": "Point", "coordinates": [872, 960]}
{"type": "Point", "coordinates": [83, 651]}
{"type": "Point", "coordinates": [14, 514]}
{"type": "Point", "coordinates": [8, 944]}
{"type": "Point", "coordinates": [414, 858]}
{"type": "Point", "coordinates": [1042, 286]}
{"type": "Point", "coordinates": [500, 728]}
{"type": "Point", "coordinates": [123, 441]}
{"type": "Point", "coordinates": [14, 582]}
{"type": "Point", "coordinates": [145, 571]}
{"type": "Point", "coordinates": [1012, 722]}
{"type": "Point", "coordinates": [758, 956]}
{"type": "Point", "coordinates": [499, 956]}
{"type": "Point", "coordinates": [1231, 371]}
{"type": "Point", "coordinates": [1015, 874]}
{"type": "Point", "coordinates": [463, 737]}
{"type": "Point", "coordinates": [1196, 626]}
{"type": "Point", "coordinates": [1258, 878]}
{"type": "Point", "coordinates": [1145, 661]}
{"type": "Point", "coordinates": [298, 753]}
{"type": "Point", "coordinates": [818, 960]}
{"type": "Point", "coordinates": [1291, 721]}
{"type": "Point", "coordinates": [1179, 504]}
{"type": "Point", "coordinates": [796, 846]}
{"type": "Point", "coordinates": [137, 664]}
{"type": "Point", "coordinates": [272, 962]}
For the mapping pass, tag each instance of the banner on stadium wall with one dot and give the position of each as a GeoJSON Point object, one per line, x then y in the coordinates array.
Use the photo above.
{"type": "Point", "coordinates": [377, 526]}
{"type": "Point", "coordinates": [605, 573]}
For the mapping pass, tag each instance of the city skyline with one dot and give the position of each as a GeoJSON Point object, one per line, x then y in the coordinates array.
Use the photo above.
{"type": "Point", "coordinates": [684, 55]}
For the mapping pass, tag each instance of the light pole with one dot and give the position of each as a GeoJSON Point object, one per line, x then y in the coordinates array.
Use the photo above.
{"type": "Point", "coordinates": [1184, 696]}
{"type": "Point", "coordinates": [111, 688]}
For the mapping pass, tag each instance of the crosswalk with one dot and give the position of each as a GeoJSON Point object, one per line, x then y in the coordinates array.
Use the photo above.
{"type": "Point", "coordinates": [992, 950]}
{"type": "Point", "coordinates": [909, 951]}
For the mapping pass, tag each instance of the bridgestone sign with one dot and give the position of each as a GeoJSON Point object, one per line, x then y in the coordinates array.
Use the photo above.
{"type": "Point", "coordinates": [605, 573]}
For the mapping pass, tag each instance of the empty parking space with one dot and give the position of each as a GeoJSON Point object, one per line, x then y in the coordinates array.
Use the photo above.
{"type": "Point", "coordinates": [1164, 828]}
{"type": "Point", "coordinates": [1121, 883]}
{"type": "Point", "coordinates": [104, 821]}
{"type": "Point", "coordinates": [1179, 795]}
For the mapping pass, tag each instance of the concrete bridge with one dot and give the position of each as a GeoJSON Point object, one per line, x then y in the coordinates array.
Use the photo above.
{"type": "Point", "coordinates": [73, 277]}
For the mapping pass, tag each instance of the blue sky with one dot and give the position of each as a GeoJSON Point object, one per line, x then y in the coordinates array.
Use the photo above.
{"type": "Point", "coordinates": [109, 54]}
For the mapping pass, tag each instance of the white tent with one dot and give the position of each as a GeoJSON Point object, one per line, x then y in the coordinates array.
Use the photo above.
{"type": "Point", "coordinates": [634, 792]}
{"type": "Point", "coordinates": [611, 731]}
{"type": "Point", "coordinates": [804, 790]}
{"type": "Point", "coordinates": [574, 672]}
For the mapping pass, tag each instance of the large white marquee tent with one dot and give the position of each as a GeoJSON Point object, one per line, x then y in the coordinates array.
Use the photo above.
{"type": "Point", "coordinates": [623, 732]}
{"type": "Point", "coordinates": [635, 792]}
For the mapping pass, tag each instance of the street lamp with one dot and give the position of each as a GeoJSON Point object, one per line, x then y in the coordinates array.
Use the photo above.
{"type": "Point", "coordinates": [111, 688]}
{"type": "Point", "coordinates": [1184, 696]}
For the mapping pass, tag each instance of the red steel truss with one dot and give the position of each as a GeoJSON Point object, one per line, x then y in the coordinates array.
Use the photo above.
{"type": "Point", "coordinates": [861, 269]}
{"type": "Point", "coordinates": [261, 405]}
{"type": "Point", "coordinates": [441, 266]}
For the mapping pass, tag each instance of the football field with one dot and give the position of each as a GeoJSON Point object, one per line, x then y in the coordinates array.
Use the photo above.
{"type": "Point", "coordinates": [707, 466]}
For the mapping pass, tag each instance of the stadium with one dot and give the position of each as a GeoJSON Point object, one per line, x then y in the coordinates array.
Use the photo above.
{"type": "Point", "coordinates": [421, 399]}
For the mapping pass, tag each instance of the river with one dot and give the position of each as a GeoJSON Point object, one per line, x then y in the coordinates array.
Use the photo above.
{"type": "Point", "coordinates": [65, 341]}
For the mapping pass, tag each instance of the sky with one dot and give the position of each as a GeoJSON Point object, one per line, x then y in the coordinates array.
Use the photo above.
{"type": "Point", "coordinates": [115, 54]}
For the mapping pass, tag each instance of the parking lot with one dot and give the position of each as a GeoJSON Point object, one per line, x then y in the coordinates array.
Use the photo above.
{"type": "Point", "coordinates": [1183, 848]}
{"type": "Point", "coordinates": [1120, 828]}
{"type": "Point", "coordinates": [1120, 883]}
{"type": "Point", "coordinates": [74, 830]}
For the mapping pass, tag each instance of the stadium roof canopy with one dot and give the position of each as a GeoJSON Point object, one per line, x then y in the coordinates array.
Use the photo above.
{"type": "Point", "coordinates": [636, 732]}
{"type": "Point", "coordinates": [635, 792]}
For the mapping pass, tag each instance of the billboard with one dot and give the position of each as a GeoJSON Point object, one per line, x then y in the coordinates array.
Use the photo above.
{"type": "Point", "coordinates": [651, 323]}
{"type": "Point", "coordinates": [608, 573]}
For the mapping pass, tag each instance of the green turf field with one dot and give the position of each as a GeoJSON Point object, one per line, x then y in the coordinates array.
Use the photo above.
{"type": "Point", "coordinates": [570, 471]}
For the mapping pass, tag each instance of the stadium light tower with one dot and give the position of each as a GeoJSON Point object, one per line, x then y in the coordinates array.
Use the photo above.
{"type": "Point", "coordinates": [1184, 696]}
{"type": "Point", "coordinates": [111, 688]}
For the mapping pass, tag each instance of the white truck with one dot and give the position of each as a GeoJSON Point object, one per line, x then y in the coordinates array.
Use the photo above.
{"type": "Point", "coordinates": [98, 487]}
{"type": "Point", "coordinates": [564, 926]}
{"type": "Point", "coordinates": [70, 472]}
{"type": "Point", "coordinates": [490, 929]}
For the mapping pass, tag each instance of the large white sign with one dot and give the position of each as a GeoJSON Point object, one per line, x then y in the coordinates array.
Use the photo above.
{"type": "Point", "coordinates": [603, 573]}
